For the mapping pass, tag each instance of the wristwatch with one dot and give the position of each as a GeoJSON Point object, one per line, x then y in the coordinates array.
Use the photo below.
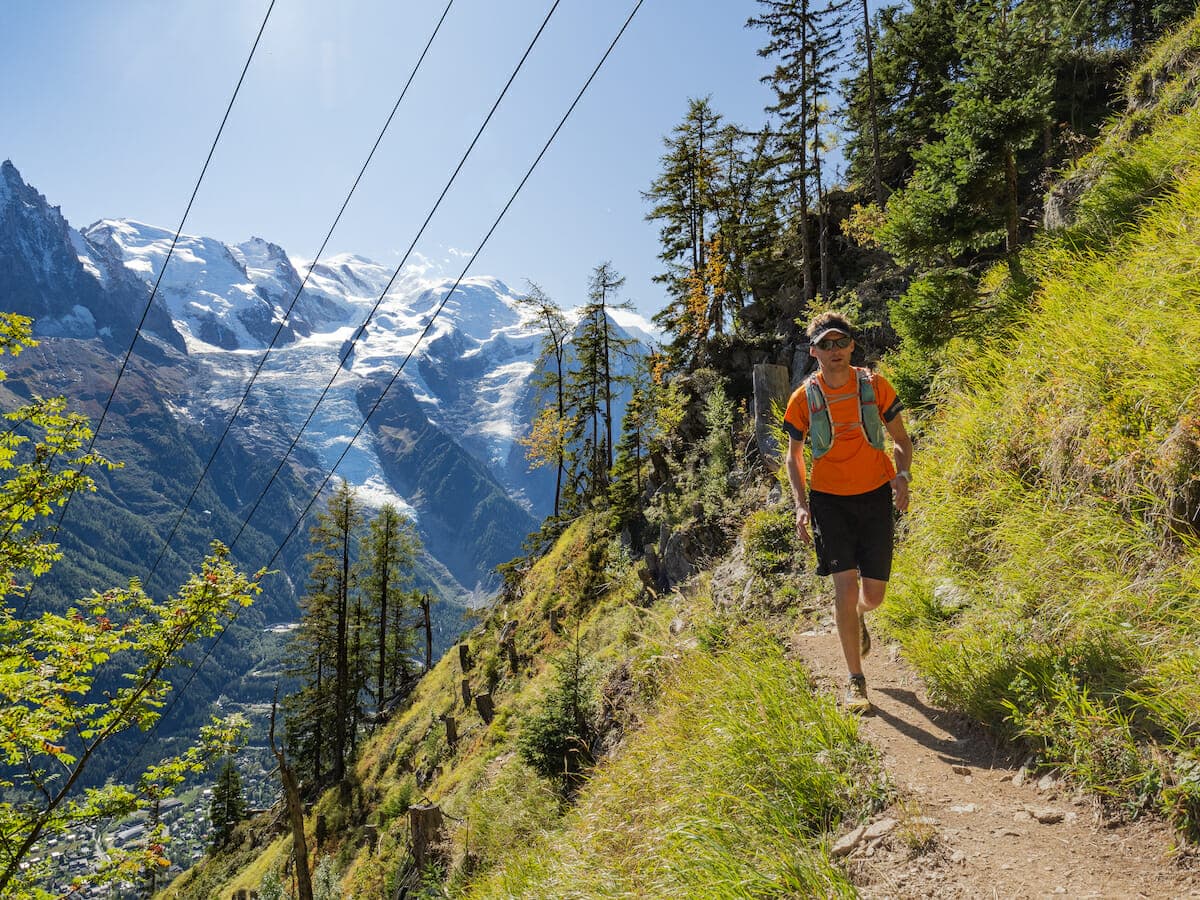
{"type": "Point", "coordinates": [905, 474]}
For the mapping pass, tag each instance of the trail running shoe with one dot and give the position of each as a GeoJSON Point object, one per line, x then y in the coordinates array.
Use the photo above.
{"type": "Point", "coordinates": [856, 695]}
{"type": "Point", "coordinates": [864, 635]}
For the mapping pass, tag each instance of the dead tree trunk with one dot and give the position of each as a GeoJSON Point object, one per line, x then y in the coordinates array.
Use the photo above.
{"type": "Point", "coordinates": [487, 709]}
{"type": "Point", "coordinates": [291, 793]}
{"type": "Point", "coordinates": [425, 823]}
{"type": "Point", "coordinates": [425, 603]}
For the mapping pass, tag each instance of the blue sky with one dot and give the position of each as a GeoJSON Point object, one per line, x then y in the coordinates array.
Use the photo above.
{"type": "Point", "coordinates": [110, 106]}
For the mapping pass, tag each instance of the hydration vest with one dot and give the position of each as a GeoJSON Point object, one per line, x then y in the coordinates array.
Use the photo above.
{"type": "Point", "coordinates": [820, 422]}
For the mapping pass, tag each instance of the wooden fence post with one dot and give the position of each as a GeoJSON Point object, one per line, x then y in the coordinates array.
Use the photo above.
{"type": "Point", "coordinates": [771, 388]}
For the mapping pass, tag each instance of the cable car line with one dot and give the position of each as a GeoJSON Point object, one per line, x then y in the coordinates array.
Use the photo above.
{"type": "Point", "coordinates": [304, 513]}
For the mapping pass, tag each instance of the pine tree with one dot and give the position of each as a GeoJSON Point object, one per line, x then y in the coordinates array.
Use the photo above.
{"type": "Point", "coordinates": [323, 715]}
{"type": "Point", "coordinates": [591, 384]}
{"type": "Point", "coordinates": [388, 553]}
{"type": "Point", "coordinates": [228, 805]}
{"type": "Point", "coordinates": [805, 38]}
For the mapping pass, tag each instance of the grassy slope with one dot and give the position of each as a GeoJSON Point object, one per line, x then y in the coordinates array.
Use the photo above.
{"type": "Point", "coordinates": [1049, 583]}
{"type": "Point", "coordinates": [726, 770]}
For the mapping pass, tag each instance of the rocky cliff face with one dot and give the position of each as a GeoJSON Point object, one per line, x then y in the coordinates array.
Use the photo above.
{"type": "Point", "coordinates": [70, 286]}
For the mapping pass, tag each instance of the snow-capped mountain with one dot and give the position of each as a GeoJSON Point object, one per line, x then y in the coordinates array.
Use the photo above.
{"type": "Point", "coordinates": [228, 301]}
{"type": "Point", "coordinates": [441, 443]}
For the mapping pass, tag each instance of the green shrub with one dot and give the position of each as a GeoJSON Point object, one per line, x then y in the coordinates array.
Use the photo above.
{"type": "Point", "coordinates": [271, 887]}
{"type": "Point", "coordinates": [399, 798]}
{"type": "Point", "coordinates": [769, 538]}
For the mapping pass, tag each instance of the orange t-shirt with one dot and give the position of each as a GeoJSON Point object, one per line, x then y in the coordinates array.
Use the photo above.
{"type": "Point", "coordinates": [852, 465]}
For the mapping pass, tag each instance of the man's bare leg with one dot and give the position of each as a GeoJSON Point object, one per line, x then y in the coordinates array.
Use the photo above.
{"type": "Point", "coordinates": [847, 596]}
{"type": "Point", "coordinates": [871, 594]}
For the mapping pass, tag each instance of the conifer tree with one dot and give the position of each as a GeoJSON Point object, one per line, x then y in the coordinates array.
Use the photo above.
{"type": "Point", "coordinates": [228, 805]}
{"type": "Point", "coordinates": [592, 382]}
{"type": "Point", "coordinates": [805, 38]}
{"type": "Point", "coordinates": [868, 46]}
{"type": "Point", "coordinates": [388, 554]}
{"type": "Point", "coordinates": [915, 63]}
{"type": "Point", "coordinates": [718, 219]}
{"type": "Point", "coordinates": [547, 440]}
{"type": "Point", "coordinates": [963, 195]}
{"type": "Point", "coordinates": [628, 474]}
{"type": "Point", "coordinates": [329, 699]}
{"type": "Point", "coordinates": [684, 202]}
{"type": "Point", "coordinates": [310, 709]}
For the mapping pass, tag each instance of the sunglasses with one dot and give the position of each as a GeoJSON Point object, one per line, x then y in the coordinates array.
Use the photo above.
{"type": "Point", "coordinates": [829, 343]}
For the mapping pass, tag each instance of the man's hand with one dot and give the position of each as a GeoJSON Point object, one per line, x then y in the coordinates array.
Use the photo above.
{"type": "Point", "coordinates": [900, 493]}
{"type": "Point", "coordinates": [802, 522]}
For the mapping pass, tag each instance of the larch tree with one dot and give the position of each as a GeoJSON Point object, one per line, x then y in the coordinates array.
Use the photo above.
{"type": "Point", "coordinates": [327, 621]}
{"type": "Point", "coordinates": [683, 202]}
{"type": "Point", "coordinates": [546, 442]}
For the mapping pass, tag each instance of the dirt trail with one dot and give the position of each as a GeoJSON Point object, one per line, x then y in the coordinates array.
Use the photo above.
{"type": "Point", "coordinates": [985, 831]}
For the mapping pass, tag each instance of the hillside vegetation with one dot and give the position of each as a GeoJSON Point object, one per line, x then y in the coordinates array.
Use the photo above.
{"type": "Point", "coordinates": [655, 742]}
{"type": "Point", "coordinates": [1050, 572]}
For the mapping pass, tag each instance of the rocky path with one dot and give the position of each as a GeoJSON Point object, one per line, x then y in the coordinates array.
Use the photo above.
{"type": "Point", "coordinates": [970, 821]}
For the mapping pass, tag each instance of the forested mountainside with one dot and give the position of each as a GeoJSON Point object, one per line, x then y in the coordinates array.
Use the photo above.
{"type": "Point", "coordinates": [1019, 244]}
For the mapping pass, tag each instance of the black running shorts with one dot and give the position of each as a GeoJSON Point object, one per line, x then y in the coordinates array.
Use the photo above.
{"type": "Point", "coordinates": [853, 532]}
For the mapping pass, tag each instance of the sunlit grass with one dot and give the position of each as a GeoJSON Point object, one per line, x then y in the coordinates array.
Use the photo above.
{"type": "Point", "coordinates": [1048, 580]}
{"type": "Point", "coordinates": [731, 791]}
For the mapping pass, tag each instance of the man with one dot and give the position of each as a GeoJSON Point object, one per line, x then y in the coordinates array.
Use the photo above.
{"type": "Point", "coordinates": [844, 411]}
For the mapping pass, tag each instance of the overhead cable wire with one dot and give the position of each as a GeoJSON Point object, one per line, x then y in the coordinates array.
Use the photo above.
{"type": "Point", "coordinates": [437, 311]}
{"type": "Point", "coordinates": [287, 313]}
{"type": "Point", "coordinates": [349, 346]}
{"type": "Point", "coordinates": [158, 281]}
{"type": "Point", "coordinates": [454, 287]}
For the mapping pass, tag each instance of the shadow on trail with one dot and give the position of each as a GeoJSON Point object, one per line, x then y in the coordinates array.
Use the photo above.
{"type": "Point", "coordinates": [956, 740]}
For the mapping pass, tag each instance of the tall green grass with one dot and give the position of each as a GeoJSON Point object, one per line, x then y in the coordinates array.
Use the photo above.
{"type": "Point", "coordinates": [1049, 581]}
{"type": "Point", "coordinates": [730, 791]}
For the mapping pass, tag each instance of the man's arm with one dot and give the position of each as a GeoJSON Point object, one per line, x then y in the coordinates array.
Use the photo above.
{"type": "Point", "coordinates": [902, 452]}
{"type": "Point", "coordinates": [796, 477]}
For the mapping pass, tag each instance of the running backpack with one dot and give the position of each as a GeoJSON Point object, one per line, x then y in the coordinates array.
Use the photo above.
{"type": "Point", "coordinates": [820, 422]}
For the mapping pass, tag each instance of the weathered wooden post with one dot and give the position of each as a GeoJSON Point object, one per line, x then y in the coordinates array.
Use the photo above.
{"type": "Point", "coordinates": [508, 640]}
{"type": "Point", "coordinates": [464, 657]}
{"type": "Point", "coordinates": [451, 730]}
{"type": "Point", "coordinates": [425, 602]}
{"type": "Point", "coordinates": [291, 794]}
{"type": "Point", "coordinates": [487, 710]}
{"type": "Point", "coordinates": [771, 389]}
{"type": "Point", "coordinates": [465, 686]}
{"type": "Point", "coordinates": [425, 823]}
